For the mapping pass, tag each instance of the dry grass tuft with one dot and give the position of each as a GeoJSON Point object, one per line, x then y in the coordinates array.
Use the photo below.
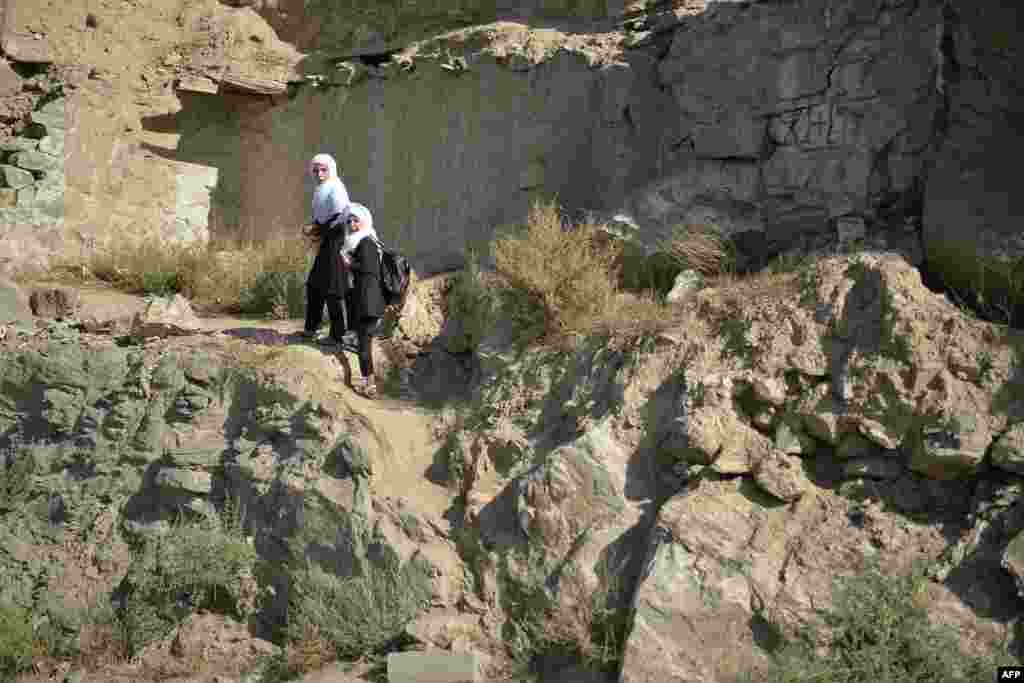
{"type": "Point", "coordinates": [702, 248]}
{"type": "Point", "coordinates": [312, 651]}
{"type": "Point", "coordinates": [216, 275]}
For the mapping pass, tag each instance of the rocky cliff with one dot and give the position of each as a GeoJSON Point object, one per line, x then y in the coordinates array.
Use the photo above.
{"type": "Point", "coordinates": [785, 123]}
{"type": "Point", "coordinates": [703, 486]}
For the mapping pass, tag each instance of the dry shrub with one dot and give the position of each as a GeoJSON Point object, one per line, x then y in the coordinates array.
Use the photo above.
{"type": "Point", "coordinates": [220, 275]}
{"type": "Point", "coordinates": [311, 651]}
{"type": "Point", "coordinates": [569, 268]}
{"type": "Point", "coordinates": [702, 248]}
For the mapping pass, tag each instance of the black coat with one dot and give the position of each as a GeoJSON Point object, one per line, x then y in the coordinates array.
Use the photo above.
{"type": "Point", "coordinates": [329, 275]}
{"type": "Point", "coordinates": [368, 298]}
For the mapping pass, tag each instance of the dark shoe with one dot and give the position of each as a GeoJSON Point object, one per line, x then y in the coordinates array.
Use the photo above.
{"type": "Point", "coordinates": [366, 387]}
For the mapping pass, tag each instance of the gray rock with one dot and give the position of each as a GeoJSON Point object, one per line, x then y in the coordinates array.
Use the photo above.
{"type": "Point", "coordinates": [50, 120]}
{"type": "Point", "coordinates": [1008, 450]}
{"type": "Point", "coordinates": [850, 229]}
{"type": "Point", "coordinates": [781, 475]}
{"type": "Point", "coordinates": [1013, 561]}
{"type": "Point", "coordinates": [56, 303]}
{"type": "Point", "coordinates": [53, 144]}
{"type": "Point", "coordinates": [687, 282]}
{"type": "Point", "coordinates": [433, 667]}
{"type": "Point", "coordinates": [15, 178]}
{"type": "Point", "coordinates": [950, 450]}
{"type": "Point", "coordinates": [26, 196]}
{"type": "Point", "coordinates": [36, 161]}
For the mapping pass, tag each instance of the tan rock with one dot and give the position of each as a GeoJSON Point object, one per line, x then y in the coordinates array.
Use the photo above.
{"type": "Point", "coordinates": [166, 317]}
{"type": "Point", "coordinates": [57, 304]}
{"type": "Point", "coordinates": [781, 475]}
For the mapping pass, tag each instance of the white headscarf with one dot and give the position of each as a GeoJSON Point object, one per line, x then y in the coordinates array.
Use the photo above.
{"type": "Point", "coordinates": [353, 239]}
{"type": "Point", "coordinates": [330, 197]}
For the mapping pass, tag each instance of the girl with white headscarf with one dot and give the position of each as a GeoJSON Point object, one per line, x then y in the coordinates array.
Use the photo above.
{"type": "Point", "coordinates": [328, 278]}
{"type": "Point", "coordinates": [362, 253]}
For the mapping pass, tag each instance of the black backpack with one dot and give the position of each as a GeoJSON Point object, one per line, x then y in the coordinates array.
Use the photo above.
{"type": "Point", "coordinates": [395, 274]}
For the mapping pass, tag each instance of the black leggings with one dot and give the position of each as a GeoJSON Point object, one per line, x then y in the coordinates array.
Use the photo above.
{"type": "Point", "coordinates": [315, 301]}
{"type": "Point", "coordinates": [364, 333]}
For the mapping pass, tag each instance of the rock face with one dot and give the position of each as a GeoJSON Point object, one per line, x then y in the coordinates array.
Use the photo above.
{"type": "Point", "coordinates": [807, 125]}
{"type": "Point", "coordinates": [156, 422]}
{"type": "Point", "coordinates": [693, 498]}
{"type": "Point", "coordinates": [979, 90]}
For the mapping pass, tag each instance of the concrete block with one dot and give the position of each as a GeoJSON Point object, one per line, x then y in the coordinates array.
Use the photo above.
{"type": "Point", "coordinates": [433, 667]}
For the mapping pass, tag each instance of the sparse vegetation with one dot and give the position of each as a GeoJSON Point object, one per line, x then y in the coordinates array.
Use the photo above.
{"type": "Point", "coordinates": [985, 366]}
{"type": "Point", "coordinates": [193, 565]}
{"type": "Point", "coordinates": [358, 615]}
{"type": "Point", "coordinates": [570, 619]}
{"type": "Point", "coordinates": [16, 639]}
{"type": "Point", "coordinates": [471, 304]}
{"type": "Point", "coordinates": [989, 288]}
{"type": "Point", "coordinates": [880, 632]}
{"type": "Point", "coordinates": [278, 294]}
{"type": "Point", "coordinates": [259, 277]}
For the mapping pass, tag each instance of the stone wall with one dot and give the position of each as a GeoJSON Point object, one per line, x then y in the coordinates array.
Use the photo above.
{"type": "Point", "coordinates": [797, 123]}
{"type": "Point", "coordinates": [32, 168]}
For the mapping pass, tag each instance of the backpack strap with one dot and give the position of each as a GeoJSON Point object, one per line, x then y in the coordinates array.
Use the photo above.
{"type": "Point", "coordinates": [380, 247]}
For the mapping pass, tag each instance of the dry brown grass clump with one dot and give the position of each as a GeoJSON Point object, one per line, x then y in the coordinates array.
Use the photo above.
{"type": "Point", "coordinates": [702, 248]}
{"type": "Point", "coordinates": [216, 275]}
{"type": "Point", "coordinates": [572, 270]}
{"type": "Point", "coordinates": [312, 651]}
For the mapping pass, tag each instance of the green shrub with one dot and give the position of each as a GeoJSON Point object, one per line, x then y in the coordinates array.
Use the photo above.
{"type": "Point", "coordinates": [880, 633]}
{"type": "Point", "coordinates": [358, 615]}
{"type": "Point", "coordinates": [575, 621]}
{"type": "Point", "coordinates": [16, 639]}
{"type": "Point", "coordinates": [279, 294]}
{"type": "Point", "coordinates": [643, 272]}
{"type": "Point", "coordinates": [194, 565]}
{"type": "Point", "coordinates": [471, 306]}
{"type": "Point", "coordinates": [162, 283]}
